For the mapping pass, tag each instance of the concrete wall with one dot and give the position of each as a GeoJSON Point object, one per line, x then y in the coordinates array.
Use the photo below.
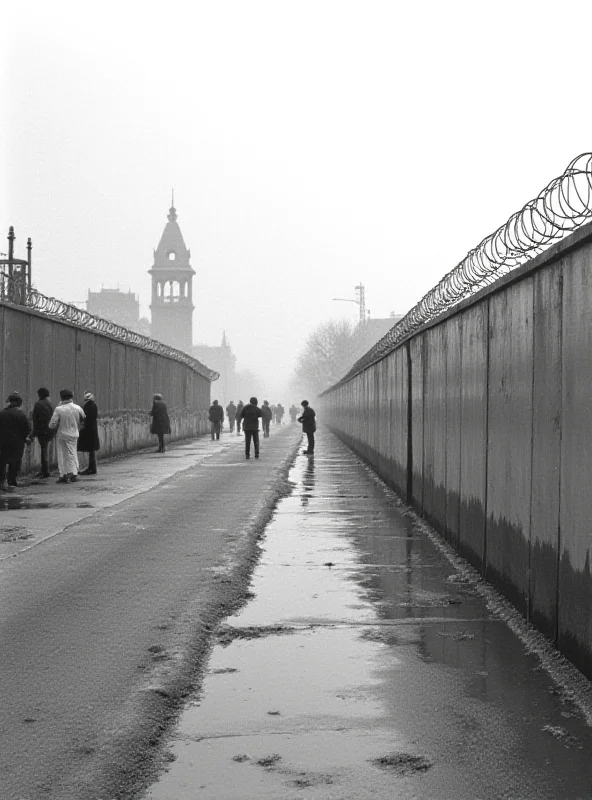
{"type": "Point", "coordinates": [482, 420]}
{"type": "Point", "coordinates": [39, 351]}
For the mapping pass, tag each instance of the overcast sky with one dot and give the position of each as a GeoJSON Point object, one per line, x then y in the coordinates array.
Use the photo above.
{"type": "Point", "coordinates": [311, 145]}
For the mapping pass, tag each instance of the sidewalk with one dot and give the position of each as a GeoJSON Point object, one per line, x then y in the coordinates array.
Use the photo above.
{"type": "Point", "coordinates": [368, 666]}
{"type": "Point", "coordinates": [22, 526]}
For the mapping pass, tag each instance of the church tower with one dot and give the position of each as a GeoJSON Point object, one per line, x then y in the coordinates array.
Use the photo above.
{"type": "Point", "coordinates": [172, 293]}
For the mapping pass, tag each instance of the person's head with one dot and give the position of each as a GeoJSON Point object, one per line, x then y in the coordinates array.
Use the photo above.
{"type": "Point", "coordinates": [304, 403]}
{"type": "Point", "coordinates": [42, 393]}
{"type": "Point", "coordinates": [14, 399]}
{"type": "Point", "coordinates": [231, 401]}
{"type": "Point", "coordinates": [89, 396]}
{"type": "Point", "coordinates": [215, 402]}
{"type": "Point", "coordinates": [66, 394]}
{"type": "Point", "coordinates": [253, 401]}
{"type": "Point", "coordinates": [266, 402]}
{"type": "Point", "coordinates": [157, 397]}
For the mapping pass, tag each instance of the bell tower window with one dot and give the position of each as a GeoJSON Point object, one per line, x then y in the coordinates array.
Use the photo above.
{"type": "Point", "coordinates": [172, 256]}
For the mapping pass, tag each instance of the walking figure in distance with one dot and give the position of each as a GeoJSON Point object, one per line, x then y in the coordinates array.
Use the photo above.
{"type": "Point", "coordinates": [309, 426]}
{"type": "Point", "coordinates": [216, 417]}
{"type": "Point", "coordinates": [14, 433]}
{"type": "Point", "coordinates": [279, 413]}
{"type": "Point", "coordinates": [250, 416]}
{"type": "Point", "coordinates": [231, 414]}
{"type": "Point", "coordinates": [293, 413]}
{"type": "Point", "coordinates": [67, 419]}
{"type": "Point", "coordinates": [42, 413]}
{"type": "Point", "coordinates": [88, 441]}
{"type": "Point", "coordinates": [239, 409]}
{"type": "Point", "coordinates": [161, 423]}
{"type": "Point", "coordinates": [265, 418]}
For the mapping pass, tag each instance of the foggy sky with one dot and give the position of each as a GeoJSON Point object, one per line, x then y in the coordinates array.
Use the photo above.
{"type": "Point", "coordinates": [311, 146]}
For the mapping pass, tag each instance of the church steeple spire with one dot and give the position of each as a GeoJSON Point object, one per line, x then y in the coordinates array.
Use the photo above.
{"type": "Point", "coordinates": [172, 217]}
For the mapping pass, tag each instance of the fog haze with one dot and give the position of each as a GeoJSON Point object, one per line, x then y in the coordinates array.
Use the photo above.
{"type": "Point", "coordinates": [311, 146]}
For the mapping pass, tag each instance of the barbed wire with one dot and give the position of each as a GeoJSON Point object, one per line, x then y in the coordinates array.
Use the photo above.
{"type": "Point", "coordinates": [560, 208]}
{"type": "Point", "coordinates": [15, 290]}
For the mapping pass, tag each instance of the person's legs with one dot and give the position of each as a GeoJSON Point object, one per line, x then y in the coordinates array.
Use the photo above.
{"type": "Point", "coordinates": [160, 442]}
{"type": "Point", "coordinates": [217, 427]}
{"type": "Point", "coordinates": [13, 470]}
{"type": "Point", "coordinates": [256, 443]}
{"type": "Point", "coordinates": [3, 465]}
{"type": "Point", "coordinates": [62, 451]}
{"type": "Point", "coordinates": [311, 442]}
{"type": "Point", "coordinates": [44, 445]}
{"type": "Point", "coordinates": [248, 436]}
{"type": "Point", "coordinates": [72, 456]}
{"type": "Point", "coordinates": [92, 463]}
{"type": "Point", "coordinates": [213, 430]}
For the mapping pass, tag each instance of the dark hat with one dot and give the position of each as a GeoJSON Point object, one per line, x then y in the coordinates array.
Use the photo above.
{"type": "Point", "coordinates": [253, 401]}
{"type": "Point", "coordinates": [43, 392]}
{"type": "Point", "coordinates": [65, 394]}
{"type": "Point", "coordinates": [14, 397]}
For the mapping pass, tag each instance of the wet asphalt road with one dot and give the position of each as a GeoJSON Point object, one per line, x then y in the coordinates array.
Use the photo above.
{"type": "Point", "coordinates": [99, 623]}
{"type": "Point", "coordinates": [367, 666]}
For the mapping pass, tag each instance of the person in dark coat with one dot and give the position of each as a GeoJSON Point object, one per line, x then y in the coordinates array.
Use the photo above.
{"type": "Point", "coordinates": [309, 426]}
{"type": "Point", "coordinates": [88, 441]}
{"type": "Point", "coordinates": [250, 416]}
{"type": "Point", "coordinates": [14, 433]}
{"type": "Point", "coordinates": [161, 423]}
{"type": "Point", "coordinates": [239, 410]}
{"type": "Point", "coordinates": [293, 412]}
{"type": "Point", "coordinates": [279, 413]}
{"type": "Point", "coordinates": [266, 415]}
{"type": "Point", "coordinates": [42, 413]}
{"type": "Point", "coordinates": [216, 417]}
{"type": "Point", "coordinates": [231, 414]}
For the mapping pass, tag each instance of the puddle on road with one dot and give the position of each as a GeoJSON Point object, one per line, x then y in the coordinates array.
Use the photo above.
{"type": "Point", "coordinates": [395, 681]}
{"type": "Point", "coordinates": [22, 503]}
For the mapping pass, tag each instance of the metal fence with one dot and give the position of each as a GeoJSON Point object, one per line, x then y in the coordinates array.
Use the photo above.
{"type": "Point", "coordinates": [560, 208]}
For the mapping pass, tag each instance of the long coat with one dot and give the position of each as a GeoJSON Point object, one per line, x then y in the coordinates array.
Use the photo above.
{"type": "Point", "coordinates": [14, 430]}
{"type": "Point", "coordinates": [88, 441]}
{"type": "Point", "coordinates": [160, 418]}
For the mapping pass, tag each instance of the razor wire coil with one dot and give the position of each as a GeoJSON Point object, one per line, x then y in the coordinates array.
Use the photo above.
{"type": "Point", "coordinates": [564, 205]}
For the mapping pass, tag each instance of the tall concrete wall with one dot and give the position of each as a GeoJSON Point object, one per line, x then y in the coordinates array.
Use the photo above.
{"type": "Point", "coordinates": [482, 420]}
{"type": "Point", "coordinates": [36, 350]}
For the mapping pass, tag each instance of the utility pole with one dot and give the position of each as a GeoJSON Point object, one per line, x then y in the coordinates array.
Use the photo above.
{"type": "Point", "coordinates": [360, 301]}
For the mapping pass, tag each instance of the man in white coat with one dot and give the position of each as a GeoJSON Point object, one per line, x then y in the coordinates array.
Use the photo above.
{"type": "Point", "coordinates": [67, 420]}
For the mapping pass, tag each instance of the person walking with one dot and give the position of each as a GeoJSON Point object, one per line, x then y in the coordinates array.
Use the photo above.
{"type": "Point", "coordinates": [42, 413]}
{"type": "Point", "coordinates": [14, 433]}
{"type": "Point", "coordinates": [279, 413]}
{"type": "Point", "coordinates": [266, 415]}
{"type": "Point", "coordinates": [293, 413]}
{"type": "Point", "coordinates": [88, 441]}
{"type": "Point", "coordinates": [216, 417]}
{"type": "Point", "coordinates": [273, 413]}
{"type": "Point", "coordinates": [67, 420]}
{"type": "Point", "coordinates": [231, 414]}
{"type": "Point", "coordinates": [161, 424]}
{"type": "Point", "coordinates": [239, 410]}
{"type": "Point", "coordinates": [309, 426]}
{"type": "Point", "coordinates": [250, 416]}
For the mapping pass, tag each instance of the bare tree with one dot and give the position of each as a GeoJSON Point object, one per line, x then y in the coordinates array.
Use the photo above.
{"type": "Point", "coordinates": [326, 357]}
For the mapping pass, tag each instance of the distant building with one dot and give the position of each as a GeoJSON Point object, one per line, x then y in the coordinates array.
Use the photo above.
{"type": "Point", "coordinates": [368, 333]}
{"type": "Point", "coordinates": [223, 360]}
{"type": "Point", "coordinates": [123, 308]}
{"type": "Point", "coordinates": [172, 292]}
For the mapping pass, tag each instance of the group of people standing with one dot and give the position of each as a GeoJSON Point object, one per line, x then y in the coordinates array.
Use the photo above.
{"type": "Point", "coordinates": [74, 429]}
{"type": "Point", "coordinates": [249, 415]}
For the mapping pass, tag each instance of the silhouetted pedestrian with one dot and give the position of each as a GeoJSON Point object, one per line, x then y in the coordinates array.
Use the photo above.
{"type": "Point", "coordinates": [14, 433]}
{"type": "Point", "coordinates": [293, 413]}
{"type": "Point", "coordinates": [239, 409]}
{"type": "Point", "coordinates": [88, 441]}
{"type": "Point", "coordinates": [216, 417]}
{"type": "Point", "coordinates": [231, 414]}
{"type": "Point", "coordinates": [67, 420]}
{"type": "Point", "coordinates": [42, 413]}
{"type": "Point", "coordinates": [161, 424]}
{"type": "Point", "coordinates": [309, 426]}
{"type": "Point", "coordinates": [279, 413]}
{"type": "Point", "coordinates": [266, 415]}
{"type": "Point", "coordinates": [250, 416]}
